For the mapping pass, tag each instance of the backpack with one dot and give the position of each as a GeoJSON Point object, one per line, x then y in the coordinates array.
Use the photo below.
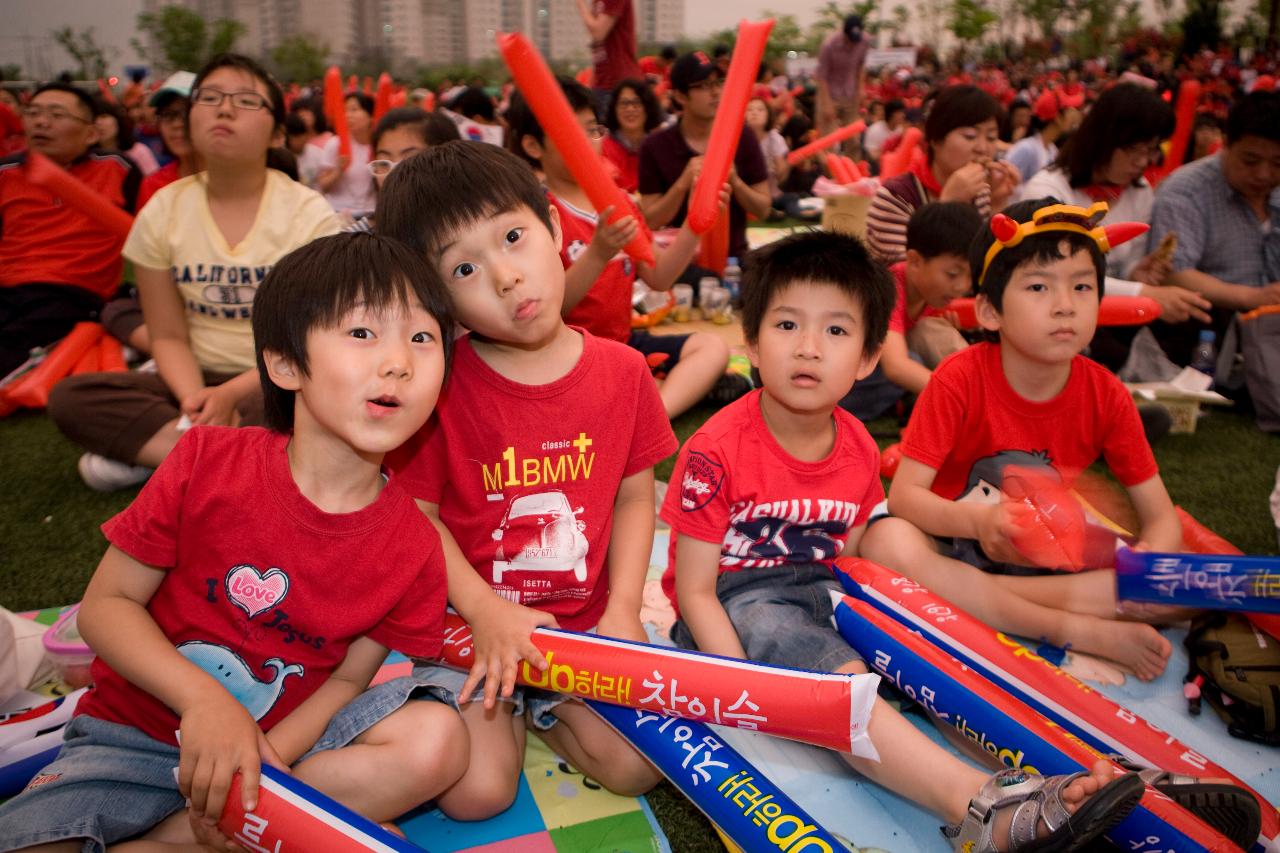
{"type": "Point", "coordinates": [1237, 668]}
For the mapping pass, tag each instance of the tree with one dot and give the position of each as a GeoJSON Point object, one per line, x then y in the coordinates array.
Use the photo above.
{"type": "Point", "coordinates": [299, 59]}
{"type": "Point", "coordinates": [1201, 26]}
{"type": "Point", "coordinates": [10, 71]}
{"type": "Point", "coordinates": [177, 38]}
{"type": "Point", "coordinates": [968, 21]}
{"type": "Point", "coordinates": [90, 56]}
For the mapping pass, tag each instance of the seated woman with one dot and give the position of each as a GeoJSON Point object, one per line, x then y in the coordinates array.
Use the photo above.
{"type": "Point", "coordinates": [960, 136]}
{"type": "Point", "coordinates": [632, 113]}
{"type": "Point", "coordinates": [1104, 160]}
{"type": "Point", "coordinates": [400, 134]}
{"type": "Point", "coordinates": [759, 119]}
{"type": "Point", "coordinates": [200, 248]}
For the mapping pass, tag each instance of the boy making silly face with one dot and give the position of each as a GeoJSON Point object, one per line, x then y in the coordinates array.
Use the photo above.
{"type": "Point", "coordinates": [537, 469]}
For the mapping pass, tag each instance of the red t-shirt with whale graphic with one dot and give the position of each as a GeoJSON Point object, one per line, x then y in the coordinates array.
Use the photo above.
{"type": "Point", "coordinates": [262, 589]}
{"type": "Point", "coordinates": [734, 484]}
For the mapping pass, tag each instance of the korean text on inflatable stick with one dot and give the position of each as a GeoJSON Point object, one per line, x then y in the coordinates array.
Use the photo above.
{"type": "Point", "coordinates": [823, 142]}
{"type": "Point", "coordinates": [293, 816]}
{"type": "Point", "coordinates": [823, 709]}
{"type": "Point", "coordinates": [757, 815]}
{"type": "Point", "coordinates": [1007, 729]}
{"type": "Point", "coordinates": [543, 93]}
{"type": "Point", "coordinates": [1083, 712]}
{"type": "Point", "coordinates": [727, 127]}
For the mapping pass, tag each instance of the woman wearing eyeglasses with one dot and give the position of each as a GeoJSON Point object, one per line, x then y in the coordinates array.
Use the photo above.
{"type": "Point", "coordinates": [400, 134]}
{"type": "Point", "coordinates": [200, 248]}
{"type": "Point", "coordinates": [1104, 160]}
{"type": "Point", "coordinates": [633, 112]}
{"type": "Point", "coordinates": [345, 181]}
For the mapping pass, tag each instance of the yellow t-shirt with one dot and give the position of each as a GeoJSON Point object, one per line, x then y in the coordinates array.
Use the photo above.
{"type": "Point", "coordinates": [176, 231]}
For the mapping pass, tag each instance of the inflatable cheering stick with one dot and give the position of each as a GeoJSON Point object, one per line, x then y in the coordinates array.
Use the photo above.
{"type": "Point", "coordinates": [545, 97]}
{"type": "Point", "coordinates": [727, 127]}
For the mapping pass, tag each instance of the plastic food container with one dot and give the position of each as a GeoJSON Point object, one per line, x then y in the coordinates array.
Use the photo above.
{"type": "Point", "coordinates": [70, 655]}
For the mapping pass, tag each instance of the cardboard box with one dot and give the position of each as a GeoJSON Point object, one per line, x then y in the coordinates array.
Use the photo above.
{"type": "Point", "coordinates": [846, 214]}
{"type": "Point", "coordinates": [1182, 396]}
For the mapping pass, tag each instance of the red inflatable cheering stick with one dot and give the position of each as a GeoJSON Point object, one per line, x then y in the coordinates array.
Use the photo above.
{"type": "Point", "coordinates": [382, 101]}
{"type": "Point", "coordinates": [899, 160]}
{"type": "Point", "coordinates": [549, 105]}
{"type": "Point", "coordinates": [1050, 524]}
{"type": "Point", "coordinates": [832, 138]}
{"type": "Point", "coordinates": [335, 104]}
{"type": "Point", "coordinates": [727, 127]}
{"type": "Point", "coordinates": [101, 212]}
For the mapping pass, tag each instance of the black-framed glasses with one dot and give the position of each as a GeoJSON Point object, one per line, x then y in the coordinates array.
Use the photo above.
{"type": "Point", "coordinates": [206, 96]}
{"type": "Point", "coordinates": [171, 114]}
{"type": "Point", "coordinates": [35, 111]}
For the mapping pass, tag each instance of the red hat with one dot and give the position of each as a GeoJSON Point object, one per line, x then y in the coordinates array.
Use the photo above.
{"type": "Point", "coordinates": [1047, 105]}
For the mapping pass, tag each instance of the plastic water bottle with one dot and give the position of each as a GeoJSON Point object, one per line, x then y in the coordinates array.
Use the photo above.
{"type": "Point", "coordinates": [1205, 356]}
{"type": "Point", "coordinates": [733, 279]}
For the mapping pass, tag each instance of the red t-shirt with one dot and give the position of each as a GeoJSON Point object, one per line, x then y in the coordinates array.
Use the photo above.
{"type": "Point", "coordinates": [734, 484]}
{"type": "Point", "coordinates": [261, 588]}
{"type": "Point", "coordinates": [156, 181]}
{"type": "Point", "coordinates": [605, 310]}
{"type": "Point", "coordinates": [45, 241]}
{"type": "Point", "coordinates": [627, 161]}
{"type": "Point", "coordinates": [969, 423]}
{"type": "Point", "coordinates": [614, 59]}
{"type": "Point", "coordinates": [526, 475]}
{"type": "Point", "coordinates": [899, 320]}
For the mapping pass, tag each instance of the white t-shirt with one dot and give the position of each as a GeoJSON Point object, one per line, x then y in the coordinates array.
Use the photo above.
{"type": "Point", "coordinates": [873, 139]}
{"type": "Point", "coordinates": [354, 191]}
{"type": "Point", "coordinates": [1133, 205]}
{"type": "Point", "coordinates": [217, 282]}
{"type": "Point", "coordinates": [773, 146]}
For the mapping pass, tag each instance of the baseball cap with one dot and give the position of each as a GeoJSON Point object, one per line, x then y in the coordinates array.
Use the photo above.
{"type": "Point", "coordinates": [690, 69]}
{"type": "Point", "coordinates": [177, 85]}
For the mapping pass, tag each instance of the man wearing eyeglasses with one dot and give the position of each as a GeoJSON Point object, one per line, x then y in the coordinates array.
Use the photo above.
{"type": "Point", "coordinates": [671, 159]}
{"type": "Point", "coordinates": [57, 266]}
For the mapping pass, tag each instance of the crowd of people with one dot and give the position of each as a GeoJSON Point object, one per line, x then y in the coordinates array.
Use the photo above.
{"type": "Point", "coordinates": [398, 346]}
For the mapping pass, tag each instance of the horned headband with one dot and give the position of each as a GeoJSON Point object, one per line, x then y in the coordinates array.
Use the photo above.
{"type": "Point", "coordinates": [1060, 217]}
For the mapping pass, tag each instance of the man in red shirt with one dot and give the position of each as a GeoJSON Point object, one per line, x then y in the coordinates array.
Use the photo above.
{"type": "Point", "coordinates": [57, 266]}
{"type": "Point", "coordinates": [612, 27]}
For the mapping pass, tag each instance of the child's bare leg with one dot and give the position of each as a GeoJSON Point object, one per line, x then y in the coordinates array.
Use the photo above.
{"type": "Point", "coordinates": [158, 446]}
{"type": "Point", "coordinates": [950, 783]}
{"type": "Point", "coordinates": [492, 777]}
{"type": "Point", "coordinates": [1092, 593]}
{"type": "Point", "coordinates": [703, 359]}
{"type": "Point", "coordinates": [901, 546]}
{"type": "Point", "coordinates": [593, 747]}
{"type": "Point", "coordinates": [399, 763]}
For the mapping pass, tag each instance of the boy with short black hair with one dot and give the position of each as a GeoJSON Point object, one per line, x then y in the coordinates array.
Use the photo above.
{"type": "Point", "coordinates": [599, 277]}
{"type": "Point", "coordinates": [778, 484]}
{"type": "Point", "coordinates": [1031, 399]}
{"type": "Point", "coordinates": [935, 271]}
{"type": "Point", "coordinates": [538, 465]}
{"type": "Point", "coordinates": [252, 590]}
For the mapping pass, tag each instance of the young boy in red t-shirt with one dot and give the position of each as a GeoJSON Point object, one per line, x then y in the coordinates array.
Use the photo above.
{"type": "Point", "coordinates": [252, 590]}
{"type": "Point", "coordinates": [1029, 399]}
{"type": "Point", "coordinates": [782, 481]}
{"type": "Point", "coordinates": [538, 465]}
{"type": "Point", "coordinates": [936, 270]}
{"type": "Point", "coordinates": [599, 276]}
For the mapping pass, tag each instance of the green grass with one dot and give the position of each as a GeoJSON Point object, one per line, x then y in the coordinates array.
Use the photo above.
{"type": "Point", "coordinates": [50, 542]}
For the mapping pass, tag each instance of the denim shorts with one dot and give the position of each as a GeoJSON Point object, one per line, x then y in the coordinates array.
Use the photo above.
{"type": "Point", "coordinates": [112, 782]}
{"type": "Point", "coordinates": [445, 684]}
{"type": "Point", "coordinates": [782, 615]}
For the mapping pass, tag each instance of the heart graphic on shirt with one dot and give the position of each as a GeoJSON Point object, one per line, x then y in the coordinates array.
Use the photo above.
{"type": "Point", "coordinates": [254, 592]}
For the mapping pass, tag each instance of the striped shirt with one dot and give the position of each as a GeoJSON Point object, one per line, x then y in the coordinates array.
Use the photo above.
{"type": "Point", "coordinates": [891, 209]}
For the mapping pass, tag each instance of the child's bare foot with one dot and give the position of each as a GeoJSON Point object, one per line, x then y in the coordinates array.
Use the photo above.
{"type": "Point", "coordinates": [1136, 645]}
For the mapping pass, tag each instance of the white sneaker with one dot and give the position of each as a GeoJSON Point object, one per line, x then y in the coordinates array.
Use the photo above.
{"type": "Point", "coordinates": [107, 475]}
